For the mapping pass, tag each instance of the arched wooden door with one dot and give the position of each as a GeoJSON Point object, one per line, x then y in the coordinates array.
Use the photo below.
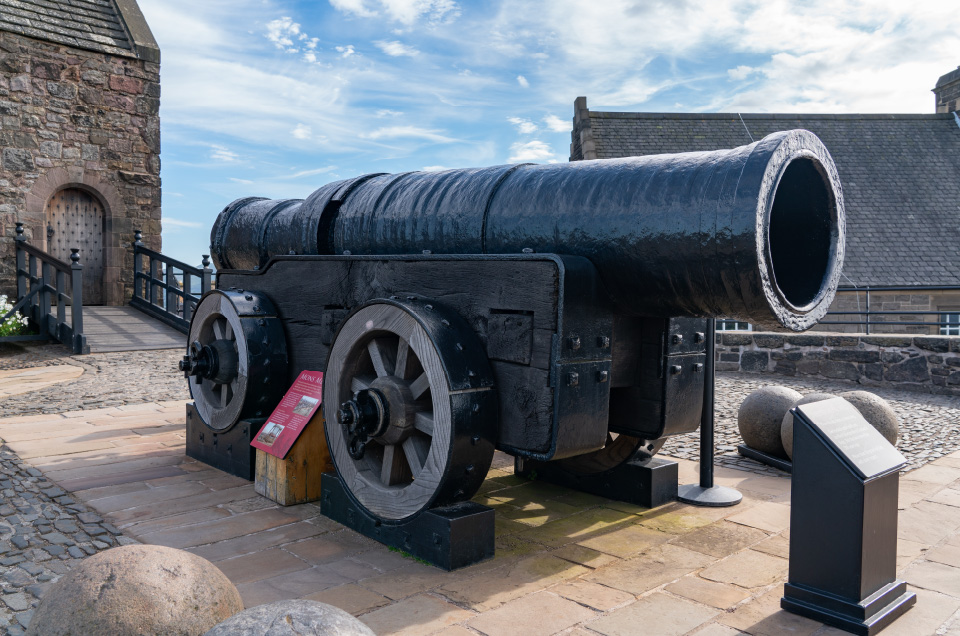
{"type": "Point", "coordinates": [75, 219]}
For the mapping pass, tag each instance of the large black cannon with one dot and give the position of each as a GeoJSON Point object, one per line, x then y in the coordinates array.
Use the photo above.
{"type": "Point", "coordinates": [556, 312]}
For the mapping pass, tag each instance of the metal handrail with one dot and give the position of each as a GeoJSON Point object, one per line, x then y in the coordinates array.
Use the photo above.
{"type": "Point", "coordinates": [158, 291]}
{"type": "Point", "coordinates": [866, 313]}
{"type": "Point", "coordinates": [40, 276]}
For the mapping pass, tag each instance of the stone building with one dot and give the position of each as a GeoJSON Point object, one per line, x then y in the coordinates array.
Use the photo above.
{"type": "Point", "coordinates": [80, 136]}
{"type": "Point", "coordinates": [901, 183]}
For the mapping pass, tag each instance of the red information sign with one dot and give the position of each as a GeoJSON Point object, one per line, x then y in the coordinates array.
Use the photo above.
{"type": "Point", "coordinates": [291, 416]}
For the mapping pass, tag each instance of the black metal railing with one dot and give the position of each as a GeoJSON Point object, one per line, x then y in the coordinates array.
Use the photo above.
{"type": "Point", "coordinates": [45, 284]}
{"type": "Point", "coordinates": [863, 316]}
{"type": "Point", "coordinates": [164, 289]}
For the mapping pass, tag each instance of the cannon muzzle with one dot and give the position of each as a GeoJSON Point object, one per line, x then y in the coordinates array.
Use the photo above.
{"type": "Point", "coordinates": [754, 233]}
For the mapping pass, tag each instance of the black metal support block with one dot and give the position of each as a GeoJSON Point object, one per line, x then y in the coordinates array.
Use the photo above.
{"type": "Point", "coordinates": [450, 537]}
{"type": "Point", "coordinates": [843, 521]}
{"type": "Point", "coordinates": [648, 483]}
{"type": "Point", "coordinates": [227, 450]}
{"type": "Point", "coordinates": [765, 458]}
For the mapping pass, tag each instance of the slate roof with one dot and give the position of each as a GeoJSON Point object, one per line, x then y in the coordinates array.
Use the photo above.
{"type": "Point", "coordinates": [105, 26]}
{"type": "Point", "coordinates": [900, 176]}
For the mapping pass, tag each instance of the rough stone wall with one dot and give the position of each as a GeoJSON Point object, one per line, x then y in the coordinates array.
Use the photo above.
{"type": "Point", "coordinates": [929, 364]}
{"type": "Point", "coordinates": [75, 118]}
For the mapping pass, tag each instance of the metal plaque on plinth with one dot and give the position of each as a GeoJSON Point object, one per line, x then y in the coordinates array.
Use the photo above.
{"type": "Point", "coordinates": [843, 521]}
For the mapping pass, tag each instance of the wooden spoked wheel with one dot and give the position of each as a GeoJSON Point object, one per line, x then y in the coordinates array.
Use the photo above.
{"type": "Point", "coordinates": [236, 362]}
{"type": "Point", "coordinates": [386, 370]}
{"type": "Point", "coordinates": [219, 398]}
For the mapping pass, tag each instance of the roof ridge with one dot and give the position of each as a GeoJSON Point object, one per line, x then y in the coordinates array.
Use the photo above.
{"type": "Point", "coordinates": [825, 116]}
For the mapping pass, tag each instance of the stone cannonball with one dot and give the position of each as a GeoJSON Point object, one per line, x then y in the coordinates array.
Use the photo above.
{"type": "Point", "coordinates": [137, 589]}
{"type": "Point", "coordinates": [877, 411]}
{"type": "Point", "coordinates": [760, 416]}
{"type": "Point", "coordinates": [786, 428]}
{"type": "Point", "coordinates": [292, 618]}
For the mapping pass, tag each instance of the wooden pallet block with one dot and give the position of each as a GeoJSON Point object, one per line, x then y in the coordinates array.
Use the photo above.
{"type": "Point", "coordinates": [296, 478]}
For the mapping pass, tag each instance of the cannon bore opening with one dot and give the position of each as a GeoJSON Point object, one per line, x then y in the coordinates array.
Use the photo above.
{"type": "Point", "coordinates": [802, 233]}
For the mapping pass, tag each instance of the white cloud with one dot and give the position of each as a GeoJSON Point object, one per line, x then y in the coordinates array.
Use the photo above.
{"type": "Point", "coordinates": [396, 49]}
{"type": "Point", "coordinates": [434, 168]}
{"type": "Point", "coordinates": [524, 126]}
{"type": "Point", "coordinates": [356, 7]}
{"type": "Point", "coordinates": [386, 112]}
{"type": "Point", "coordinates": [302, 132]}
{"type": "Point", "coordinates": [222, 153]}
{"type": "Point", "coordinates": [169, 221]}
{"type": "Point", "coordinates": [522, 81]}
{"type": "Point", "coordinates": [555, 124]}
{"type": "Point", "coordinates": [397, 132]}
{"type": "Point", "coordinates": [282, 33]}
{"type": "Point", "coordinates": [535, 150]}
{"type": "Point", "coordinates": [741, 72]}
{"type": "Point", "coordinates": [310, 56]}
{"type": "Point", "coordinates": [404, 11]}
{"type": "Point", "coordinates": [236, 180]}
{"type": "Point", "coordinates": [311, 173]}
{"type": "Point", "coordinates": [345, 51]}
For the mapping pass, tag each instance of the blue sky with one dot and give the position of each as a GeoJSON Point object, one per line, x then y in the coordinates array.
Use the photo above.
{"type": "Point", "coordinates": [277, 97]}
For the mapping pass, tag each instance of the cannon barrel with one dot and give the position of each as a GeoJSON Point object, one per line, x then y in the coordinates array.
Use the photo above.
{"type": "Point", "coordinates": [754, 233]}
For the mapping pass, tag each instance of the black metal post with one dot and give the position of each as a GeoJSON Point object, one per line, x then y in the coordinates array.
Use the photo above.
{"type": "Point", "coordinates": [706, 493]}
{"type": "Point", "coordinates": [76, 299]}
{"type": "Point", "coordinates": [46, 276]}
{"type": "Point", "coordinates": [22, 277]}
{"type": "Point", "coordinates": [205, 280]}
{"type": "Point", "coordinates": [707, 416]}
{"type": "Point", "coordinates": [138, 291]}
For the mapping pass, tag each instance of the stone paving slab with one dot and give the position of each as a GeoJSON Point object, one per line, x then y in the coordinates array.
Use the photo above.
{"type": "Point", "coordinates": [566, 562]}
{"type": "Point", "coordinates": [17, 381]}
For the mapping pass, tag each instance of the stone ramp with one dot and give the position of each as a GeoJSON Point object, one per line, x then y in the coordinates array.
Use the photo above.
{"type": "Point", "coordinates": [565, 560]}
{"type": "Point", "coordinates": [125, 328]}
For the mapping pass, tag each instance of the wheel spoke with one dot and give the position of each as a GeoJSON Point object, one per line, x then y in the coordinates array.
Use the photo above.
{"type": "Point", "coordinates": [224, 395]}
{"type": "Point", "coordinates": [380, 357]}
{"type": "Point", "coordinates": [419, 386]}
{"type": "Point", "coordinates": [359, 383]}
{"type": "Point", "coordinates": [423, 422]}
{"type": "Point", "coordinates": [227, 330]}
{"type": "Point", "coordinates": [416, 449]}
{"type": "Point", "coordinates": [403, 351]}
{"type": "Point", "coordinates": [394, 467]}
{"type": "Point", "coordinates": [218, 329]}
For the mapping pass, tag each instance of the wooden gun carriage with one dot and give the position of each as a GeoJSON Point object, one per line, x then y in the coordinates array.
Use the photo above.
{"type": "Point", "coordinates": [555, 312]}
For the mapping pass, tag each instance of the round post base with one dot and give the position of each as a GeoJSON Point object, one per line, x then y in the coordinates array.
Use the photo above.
{"type": "Point", "coordinates": [715, 497]}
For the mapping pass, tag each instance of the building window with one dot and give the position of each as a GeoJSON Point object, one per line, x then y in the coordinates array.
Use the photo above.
{"type": "Point", "coordinates": [949, 324]}
{"type": "Point", "coordinates": [733, 325]}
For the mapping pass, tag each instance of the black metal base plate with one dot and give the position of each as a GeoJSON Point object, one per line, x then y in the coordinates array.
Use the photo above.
{"type": "Point", "coordinates": [648, 483]}
{"type": "Point", "coordinates": [713, 497]}
{"type": "Point", "coordinates": [228, 450]}
{"type": "Point", "coordinates": [765, 458]}
{"type": "Point", "coordinates": [865, 618]}
{"type": "Point", "coordinates": [450, 537]}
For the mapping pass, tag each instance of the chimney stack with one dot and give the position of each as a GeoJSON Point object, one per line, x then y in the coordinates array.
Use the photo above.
{"type": "Point", "coordinates": [947, 92]}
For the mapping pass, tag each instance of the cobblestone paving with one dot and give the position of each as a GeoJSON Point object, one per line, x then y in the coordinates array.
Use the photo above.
{"type": "Point", "coordinates": [929, 424]}
{"type": "Point", "coordinates": [43, 532]}
{"type": "Point", "coordinates": [109, 379]}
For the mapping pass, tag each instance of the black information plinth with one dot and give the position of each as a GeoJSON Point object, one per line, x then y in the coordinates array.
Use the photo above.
{"type": "Point", "coordinates": [450, 537]}
{"type": "Point", "coordinates": [228, 450]}
{"type": "Point", "coordinates": [843, 521]}
{"type": "Point", "coordinates": [649, 483]}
